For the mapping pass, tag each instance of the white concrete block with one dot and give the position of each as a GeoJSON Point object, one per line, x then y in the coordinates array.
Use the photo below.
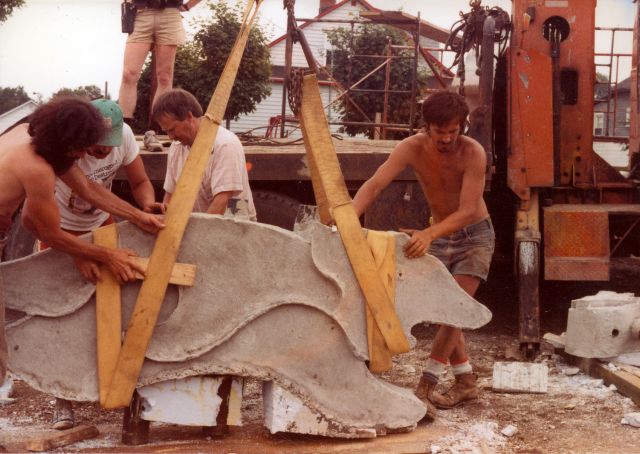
{"type": "Point", "coordinates": [632, 419]}
{"type": "Point", "coordinates": [520, 377]}
{"type": "Point", "coordinates": [191, 401]}
{"type": "Point", "coordinates": [284, 412]}
{"type": "Point", "coordinates": [603, 325]}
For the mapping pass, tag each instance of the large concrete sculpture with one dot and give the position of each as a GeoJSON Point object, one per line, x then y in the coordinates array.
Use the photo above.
{"type": "Point", "coordinates": [267, 303]}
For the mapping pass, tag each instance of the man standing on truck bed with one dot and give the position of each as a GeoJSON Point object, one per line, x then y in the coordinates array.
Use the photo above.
{"type": "Point", "coordinates": [451, 170]}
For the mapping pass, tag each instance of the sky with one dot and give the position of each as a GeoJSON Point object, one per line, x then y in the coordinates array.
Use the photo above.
{"type": "Point", "coordinates": [50, 44]}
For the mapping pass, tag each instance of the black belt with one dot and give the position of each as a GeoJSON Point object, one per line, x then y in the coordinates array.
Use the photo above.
{"type": "Point", "coordinates": [158, 4]}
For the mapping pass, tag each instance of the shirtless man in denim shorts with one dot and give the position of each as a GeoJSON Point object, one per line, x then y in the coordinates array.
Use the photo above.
{"type": "Point", "coordinates": [451, 170]}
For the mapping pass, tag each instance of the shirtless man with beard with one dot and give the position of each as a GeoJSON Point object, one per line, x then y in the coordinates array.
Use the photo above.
{"type": "Point", "coordinates": [451, 170]}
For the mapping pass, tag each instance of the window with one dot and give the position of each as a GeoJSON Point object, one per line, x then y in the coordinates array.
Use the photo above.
{"type": "Point", "coordinates": [598, 123]}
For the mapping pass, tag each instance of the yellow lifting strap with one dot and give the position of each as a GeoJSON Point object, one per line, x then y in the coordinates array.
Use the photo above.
{"type": "Point", "coordinates": [167, 245]}
{"type": "Point", "coordinates": [332, 196]}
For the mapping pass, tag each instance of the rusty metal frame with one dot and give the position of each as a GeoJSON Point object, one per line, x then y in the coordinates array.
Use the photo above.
{"type": "Point", "coordinates": [417, 52]}
{"type": "Point", "coordinates": [613, 81]}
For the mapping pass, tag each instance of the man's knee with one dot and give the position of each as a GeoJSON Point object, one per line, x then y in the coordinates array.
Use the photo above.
{"type": "Point", "coordinates": [165, 79]}
{"type": "Point", "coordinates": [130, 76]}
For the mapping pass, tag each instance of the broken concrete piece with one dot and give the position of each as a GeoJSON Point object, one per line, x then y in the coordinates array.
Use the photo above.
{"type": "Point", "coordinates": [631, 419]}
{"type": "Point", "coordinates": [520, 377]}
{"type": "Point", "coordinates": [191, 401]}
{"type": "Point", "coordinates": [555, 340]}
{"type": "Point", "coordinates": [603, 325]}
{"type": "Point", "coordinates": [266, 303]}
{"type": "Point", "coordinates": [509, 431]}
{"type": "Point", "coordinates": [631, 359]}
{"type": "Point", "coordinates": [571, 371]}
{"type": "Point", "coordinates": [284, 412]}
{"type": "Point", "coordinates": [5, 391]}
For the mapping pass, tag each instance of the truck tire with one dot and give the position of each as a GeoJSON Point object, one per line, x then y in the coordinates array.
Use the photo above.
{"type": "Point", "coordinates": [275, 209]}
{"type": "Point", "coordinates": [20, 242]}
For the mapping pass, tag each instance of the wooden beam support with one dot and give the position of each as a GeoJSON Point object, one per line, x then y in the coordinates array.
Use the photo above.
{"type": "Point", "coordinates": [62, 438]}
{"type": "Point", "coordinates": [383, 248]}
{"type": "Point", "coordinates": [181, 274]}
{"type": "Point", "coordinates": [108, 314]}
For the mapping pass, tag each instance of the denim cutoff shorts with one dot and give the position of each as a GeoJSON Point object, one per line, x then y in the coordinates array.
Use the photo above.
{"type": "Point", "coordinates": [467, 251]}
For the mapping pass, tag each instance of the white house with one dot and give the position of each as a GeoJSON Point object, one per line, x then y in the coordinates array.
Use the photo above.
{"type": "Point", "coordinates": [315, 32]}
{"type": "Point", "coordinates": [13, 116]}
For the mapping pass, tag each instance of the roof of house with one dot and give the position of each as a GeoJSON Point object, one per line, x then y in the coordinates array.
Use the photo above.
{"type": "Point", "coordinates": [398, 18]}
{"type": "Point", "coordinates": [15, 115]}
{"type": "Point", "coordinates": [602, 93]}
{"type": "Point", "coordinates": [305, 24]}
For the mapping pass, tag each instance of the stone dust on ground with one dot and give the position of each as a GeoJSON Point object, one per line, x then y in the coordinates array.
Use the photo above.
{"type": "Point", "coordinates": [578, 414]}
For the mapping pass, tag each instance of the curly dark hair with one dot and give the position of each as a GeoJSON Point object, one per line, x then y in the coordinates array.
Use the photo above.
{"type": "Point", "coordinates": [62, 126]}
{"type": "Point", "coordinates": [443, 107]}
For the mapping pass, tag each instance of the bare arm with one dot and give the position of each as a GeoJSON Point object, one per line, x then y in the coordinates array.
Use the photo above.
{"type": "Point", "coordinates": [41, 216]}
{"type": "Point", "coordinates": [219, 203]}
{"type": "Point", "coordinates": [371, 189]}
{"type": "Point", "coordinates": [142, 188]}
{"type": "Point", "coordinates": [104, 199]}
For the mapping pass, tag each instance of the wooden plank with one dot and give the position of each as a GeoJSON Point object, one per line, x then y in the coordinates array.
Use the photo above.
{"type": "Point", "coordinates": [181, 273]}
{"type": "Point", "coordinates": [316, 130]}
{"type": "Point", "coordinates": [383, 248]}
{"type": "Point", "coordinates": [108, 314]}
{"type": "Point", "coordinates": [165, 251]}
{"type": "Point", "coordinates": [62, 438]}
{"type": "Point", "coordinates": [627, 383]}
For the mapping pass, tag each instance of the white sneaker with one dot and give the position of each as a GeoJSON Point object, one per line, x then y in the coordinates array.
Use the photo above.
{"type": "Point", "coordinates": [151, 141]}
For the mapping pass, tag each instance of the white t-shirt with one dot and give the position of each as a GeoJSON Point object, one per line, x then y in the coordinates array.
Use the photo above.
{"type": "Point", "coordinates": [226, 171]}
{"type": "Point", "coordinates": [76, 213]}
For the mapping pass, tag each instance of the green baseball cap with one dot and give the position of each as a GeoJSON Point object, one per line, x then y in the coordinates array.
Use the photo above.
{"type": "Point", "coordinates": [113, 120]}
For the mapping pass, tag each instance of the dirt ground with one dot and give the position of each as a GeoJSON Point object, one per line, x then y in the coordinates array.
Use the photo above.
{"type": "Point", "coordinates": [578, 414]}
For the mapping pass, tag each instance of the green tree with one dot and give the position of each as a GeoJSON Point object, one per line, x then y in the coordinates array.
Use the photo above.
{"type": "Point", "coordinates": [372, 40]}
{"type": "Point", "coordinates": [90, 91]}
{"type": "Point", "coordinates": [199, 64]}
{"type": "Point", "coordinates": [11, 97]}
{"type": "Point", "coordinates": [7, 6]}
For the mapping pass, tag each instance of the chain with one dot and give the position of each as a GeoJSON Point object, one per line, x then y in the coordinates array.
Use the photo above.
{"type": "Point", "coordinates": [294, 89]}
{"type": "Point", "coordinates": [289, 5]}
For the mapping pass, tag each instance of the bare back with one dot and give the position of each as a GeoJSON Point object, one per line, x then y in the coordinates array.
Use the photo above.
{"type": "Point", "coordinates": [21, 168]}
{"type": "Point", "coordinates": [449, 179]}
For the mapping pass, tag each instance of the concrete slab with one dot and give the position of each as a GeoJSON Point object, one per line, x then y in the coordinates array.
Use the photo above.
{"type": "Point", "coordinates": [267, 303]}
{"type": "Point", "coordinates": [518, 377]}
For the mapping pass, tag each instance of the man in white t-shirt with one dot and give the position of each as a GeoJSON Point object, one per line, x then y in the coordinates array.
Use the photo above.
{"type": "Point", "coordinates": [117, 148]}
{"type": "Point", "coordinates": [225, 185]}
